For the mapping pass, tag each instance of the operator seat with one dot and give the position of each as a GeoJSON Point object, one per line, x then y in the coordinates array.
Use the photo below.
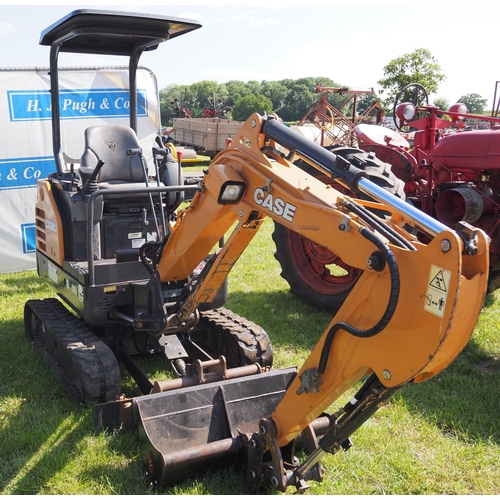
{"type": "Point", "coordinates": [111, 143]}
{"type": "Point", "coordinates": [124, 170]}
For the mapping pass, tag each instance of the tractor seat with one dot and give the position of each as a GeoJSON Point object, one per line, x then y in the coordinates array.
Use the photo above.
{"type": "Point", "coordinates": [110, 143]}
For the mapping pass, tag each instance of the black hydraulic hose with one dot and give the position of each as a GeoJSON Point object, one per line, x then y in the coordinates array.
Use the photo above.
{"type": "Point", "coordinates": [390, 259]}
{"type": "Point", "coordinates": [387, 231]}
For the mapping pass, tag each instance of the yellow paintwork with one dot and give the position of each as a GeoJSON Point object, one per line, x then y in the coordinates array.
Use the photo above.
{"type": "Point", "coordinates": [188, 161]}
{"type": "Point", "coordinates": [426, 332]}
{"type": "Point", "coordinates": [420, 340]}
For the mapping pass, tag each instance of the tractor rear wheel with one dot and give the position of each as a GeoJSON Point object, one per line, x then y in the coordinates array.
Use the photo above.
{"type": "Point", "coordinates": [315, 274]}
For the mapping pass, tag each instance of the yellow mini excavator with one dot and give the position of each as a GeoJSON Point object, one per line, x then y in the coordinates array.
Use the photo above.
{"type": "Point", "coordinates": [136, 273]}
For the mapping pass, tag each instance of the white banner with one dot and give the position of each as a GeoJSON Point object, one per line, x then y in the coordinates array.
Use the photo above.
{"type": "Point", "coordinates": [88, 96]}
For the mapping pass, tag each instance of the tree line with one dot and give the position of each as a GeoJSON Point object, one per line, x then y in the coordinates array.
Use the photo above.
{"type": "Point", "coordinates": [291, 99]}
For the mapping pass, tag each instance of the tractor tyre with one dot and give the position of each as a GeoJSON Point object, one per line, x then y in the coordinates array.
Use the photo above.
{"type": "Point", "coordinates": [315, 274]}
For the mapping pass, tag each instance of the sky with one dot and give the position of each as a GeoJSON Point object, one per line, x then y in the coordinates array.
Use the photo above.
{"type": "Point", "coordinates": [349, 43]}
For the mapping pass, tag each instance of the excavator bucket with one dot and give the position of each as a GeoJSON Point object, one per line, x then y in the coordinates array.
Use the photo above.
{"type": "Point", "coordinates": [186, 431]}
{"type": "Point", "coordinates": [189, 430]}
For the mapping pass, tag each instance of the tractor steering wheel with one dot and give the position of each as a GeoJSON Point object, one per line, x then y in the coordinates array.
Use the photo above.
{"type": "Point", "coordinates": [414, 93]}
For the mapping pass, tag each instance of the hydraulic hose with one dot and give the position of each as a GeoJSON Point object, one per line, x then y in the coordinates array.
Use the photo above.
{"type": "Point", "coordinates": [387, 231]}
{"type": "Point", "coordinates": [390, 259]}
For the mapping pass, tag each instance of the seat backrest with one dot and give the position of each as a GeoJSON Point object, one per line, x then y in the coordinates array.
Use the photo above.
{"type": "Point", "coordinates": [110, 143]}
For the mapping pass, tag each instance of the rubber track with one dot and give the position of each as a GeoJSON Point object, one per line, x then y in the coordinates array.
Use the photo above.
{"type": "Point", "coordinates": [95, 374]}
{"type": "Point", "coordinates": [253, 342]}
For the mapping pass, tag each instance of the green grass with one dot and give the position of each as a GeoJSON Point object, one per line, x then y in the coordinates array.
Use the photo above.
{"type": "Point", "coordinates": [438, 437]}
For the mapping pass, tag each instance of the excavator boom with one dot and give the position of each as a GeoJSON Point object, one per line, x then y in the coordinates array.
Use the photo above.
{"type": "Point", "coordinates": [409, 315]}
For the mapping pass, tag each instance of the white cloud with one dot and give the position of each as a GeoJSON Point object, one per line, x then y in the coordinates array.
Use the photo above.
{"type": "Point", "coordinates": [258, 21]}
{"type": "Point", "coordinates": [6, 29]}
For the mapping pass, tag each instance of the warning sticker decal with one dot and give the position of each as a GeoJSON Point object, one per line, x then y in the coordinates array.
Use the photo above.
{"type": "Point", "coordinates": [437, 290]}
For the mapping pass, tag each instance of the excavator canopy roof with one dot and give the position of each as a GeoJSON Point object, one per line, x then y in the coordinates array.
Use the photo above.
{"type": "Point", "coordinates": [113, 32]}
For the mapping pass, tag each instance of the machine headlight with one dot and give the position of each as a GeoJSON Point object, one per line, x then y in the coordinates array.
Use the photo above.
{"type": "Point", "coordinates": [459, 107]}
{"type": "Point", "coordinates": [406, 111]}
{"type": "Point", "coordinates": [231, 192]}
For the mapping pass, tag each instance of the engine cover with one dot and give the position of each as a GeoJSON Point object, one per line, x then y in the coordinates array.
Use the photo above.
{"type": "Point", "coordinates": [476, 150]}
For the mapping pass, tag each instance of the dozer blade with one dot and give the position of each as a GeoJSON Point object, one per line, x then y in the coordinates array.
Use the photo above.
{"type": "Point", "coordinates": [191, 430]}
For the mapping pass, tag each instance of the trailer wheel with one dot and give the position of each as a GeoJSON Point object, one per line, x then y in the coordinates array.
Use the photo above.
{"type": "Point", "coordinates": [315, 274]}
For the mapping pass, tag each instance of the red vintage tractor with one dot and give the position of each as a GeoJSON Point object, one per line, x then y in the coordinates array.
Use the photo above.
{"type": "Point", "coordinates": [216, 109]}
{"type": "Point", "coordinates": [179, 109]}
{"type": "Point", "coordinates": [452, 172]}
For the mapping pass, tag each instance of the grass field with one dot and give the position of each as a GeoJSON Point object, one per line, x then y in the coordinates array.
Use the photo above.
{"type": "Point", "coordinates": [438, 437]}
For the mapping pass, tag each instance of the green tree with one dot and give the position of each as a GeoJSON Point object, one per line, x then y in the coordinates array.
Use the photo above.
{"type": "Point", "coordinates": [302, 95]}
{"type": "Point", "coordinates": [167, 95]}
{"type": "Point", "coordinates": [195, 97]}
{"type": "Point", "coordinates": [300, 98]}
{"type": "Point", "coordinates": [235, 90]}
{"type": "Point", "coordinates": [442, 103]}
{"type": "Point", "coordinates": [249, 104]}
{"type": "Point", "coordinates": [277, 92]}
{"type": "Point", "coordinates": [474, 102]}
{"type": "Point", "coordinates": [204, 93]}
{"type": "Point", "coordinates": [291, 99]}
{"type": "Point", "coordinates": [419, 66]}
